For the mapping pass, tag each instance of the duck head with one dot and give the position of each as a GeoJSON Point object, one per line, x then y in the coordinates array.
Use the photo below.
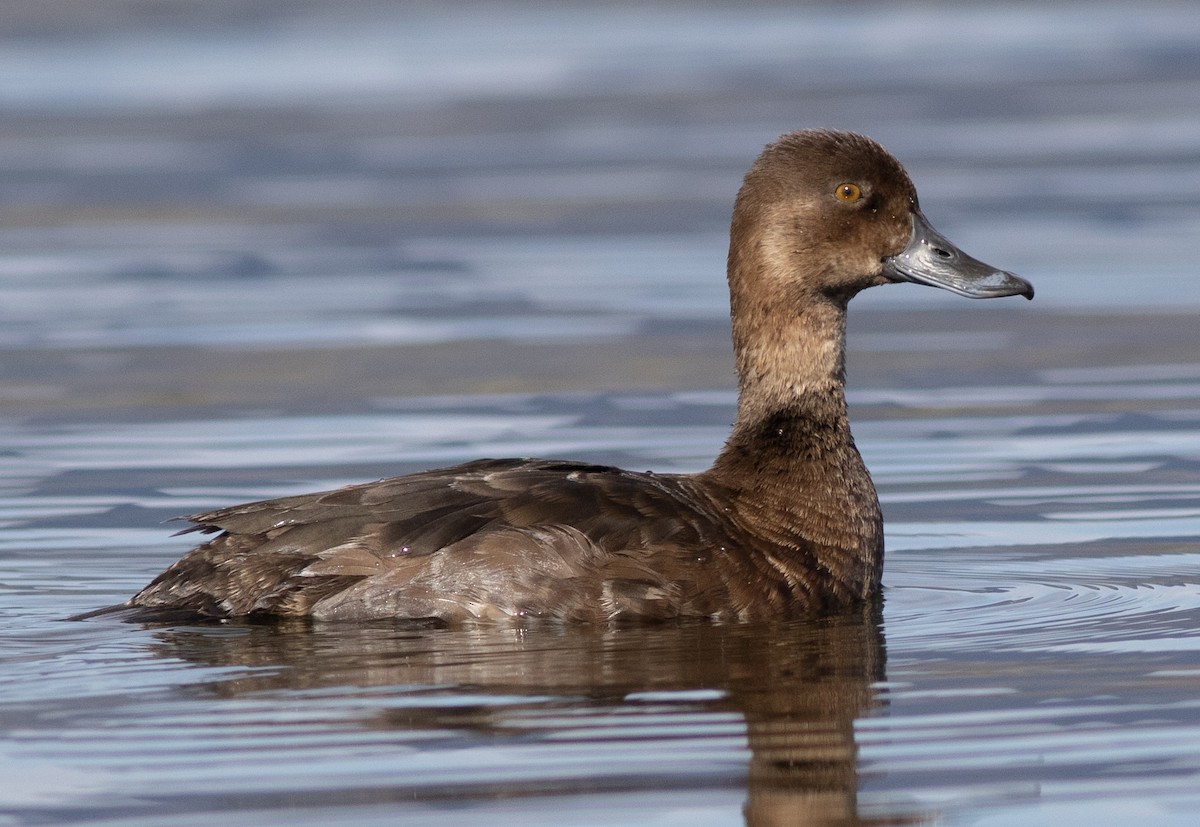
{"type": "Point", "coordinates": [831, 213]}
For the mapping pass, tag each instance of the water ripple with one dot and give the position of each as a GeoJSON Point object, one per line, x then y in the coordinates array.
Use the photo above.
{"type": "Point", "coordinates": [1109, 602]}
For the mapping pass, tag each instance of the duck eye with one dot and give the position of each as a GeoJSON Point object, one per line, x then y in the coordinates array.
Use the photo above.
{"type": "Point", "coordinates": [848, 192]}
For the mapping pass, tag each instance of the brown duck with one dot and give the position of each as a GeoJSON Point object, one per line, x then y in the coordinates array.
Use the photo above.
{"type": "Point", "coordinates": [785, 522]}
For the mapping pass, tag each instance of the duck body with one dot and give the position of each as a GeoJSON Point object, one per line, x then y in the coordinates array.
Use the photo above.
{"type": "Point", "coordinates": [523, 538]}
{"type": "Point", "coordinates": [786, 522]}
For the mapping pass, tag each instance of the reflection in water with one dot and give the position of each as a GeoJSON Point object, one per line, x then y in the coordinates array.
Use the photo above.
{"type": "Point", "coordinates": [793, 691]}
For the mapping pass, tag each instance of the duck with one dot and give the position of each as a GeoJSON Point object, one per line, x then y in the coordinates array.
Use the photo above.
{"type": "Point", "coordinates": [786, 522]}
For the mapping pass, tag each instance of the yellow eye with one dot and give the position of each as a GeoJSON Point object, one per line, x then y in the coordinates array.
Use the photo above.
{"type": "Point", "coordinates": [848, 192]}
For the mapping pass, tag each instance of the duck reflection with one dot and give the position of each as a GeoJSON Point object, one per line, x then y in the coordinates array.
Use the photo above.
{"type": "Point", "coordinates": [798, 687]}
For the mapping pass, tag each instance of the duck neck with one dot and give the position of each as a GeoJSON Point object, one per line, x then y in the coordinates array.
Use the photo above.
{"type": "Point", "coordinates": [790, 359]}
{"type": "Point", "coordinates": [790, 471]}
{"type": "Point", "coordinates": [789, 335]}
{"type": "Point", "coordinates": [791, 396]}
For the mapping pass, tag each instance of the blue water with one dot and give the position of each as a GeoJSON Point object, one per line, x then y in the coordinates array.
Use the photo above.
{"type": "Point", "coordinates": [249, 250]}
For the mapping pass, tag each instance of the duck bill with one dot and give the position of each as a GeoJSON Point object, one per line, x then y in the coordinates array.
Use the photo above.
{"type": "Point", "coordinates": [930, 258]}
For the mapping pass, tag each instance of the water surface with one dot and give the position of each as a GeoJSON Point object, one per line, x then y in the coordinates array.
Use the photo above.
{"type": "Point", "coordinates": [249, 250]}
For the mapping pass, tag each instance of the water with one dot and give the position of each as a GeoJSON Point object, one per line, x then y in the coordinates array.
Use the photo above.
{"type": "Point", "coordinates": [250, 250]}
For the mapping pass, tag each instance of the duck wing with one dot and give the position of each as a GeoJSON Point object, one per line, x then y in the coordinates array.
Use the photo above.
{"type": "Point", "coordinates": [486, 539]}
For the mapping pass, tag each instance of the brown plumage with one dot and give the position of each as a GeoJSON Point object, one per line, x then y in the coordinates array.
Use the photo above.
{"type": "Point", "coordinates": [785, 522]}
